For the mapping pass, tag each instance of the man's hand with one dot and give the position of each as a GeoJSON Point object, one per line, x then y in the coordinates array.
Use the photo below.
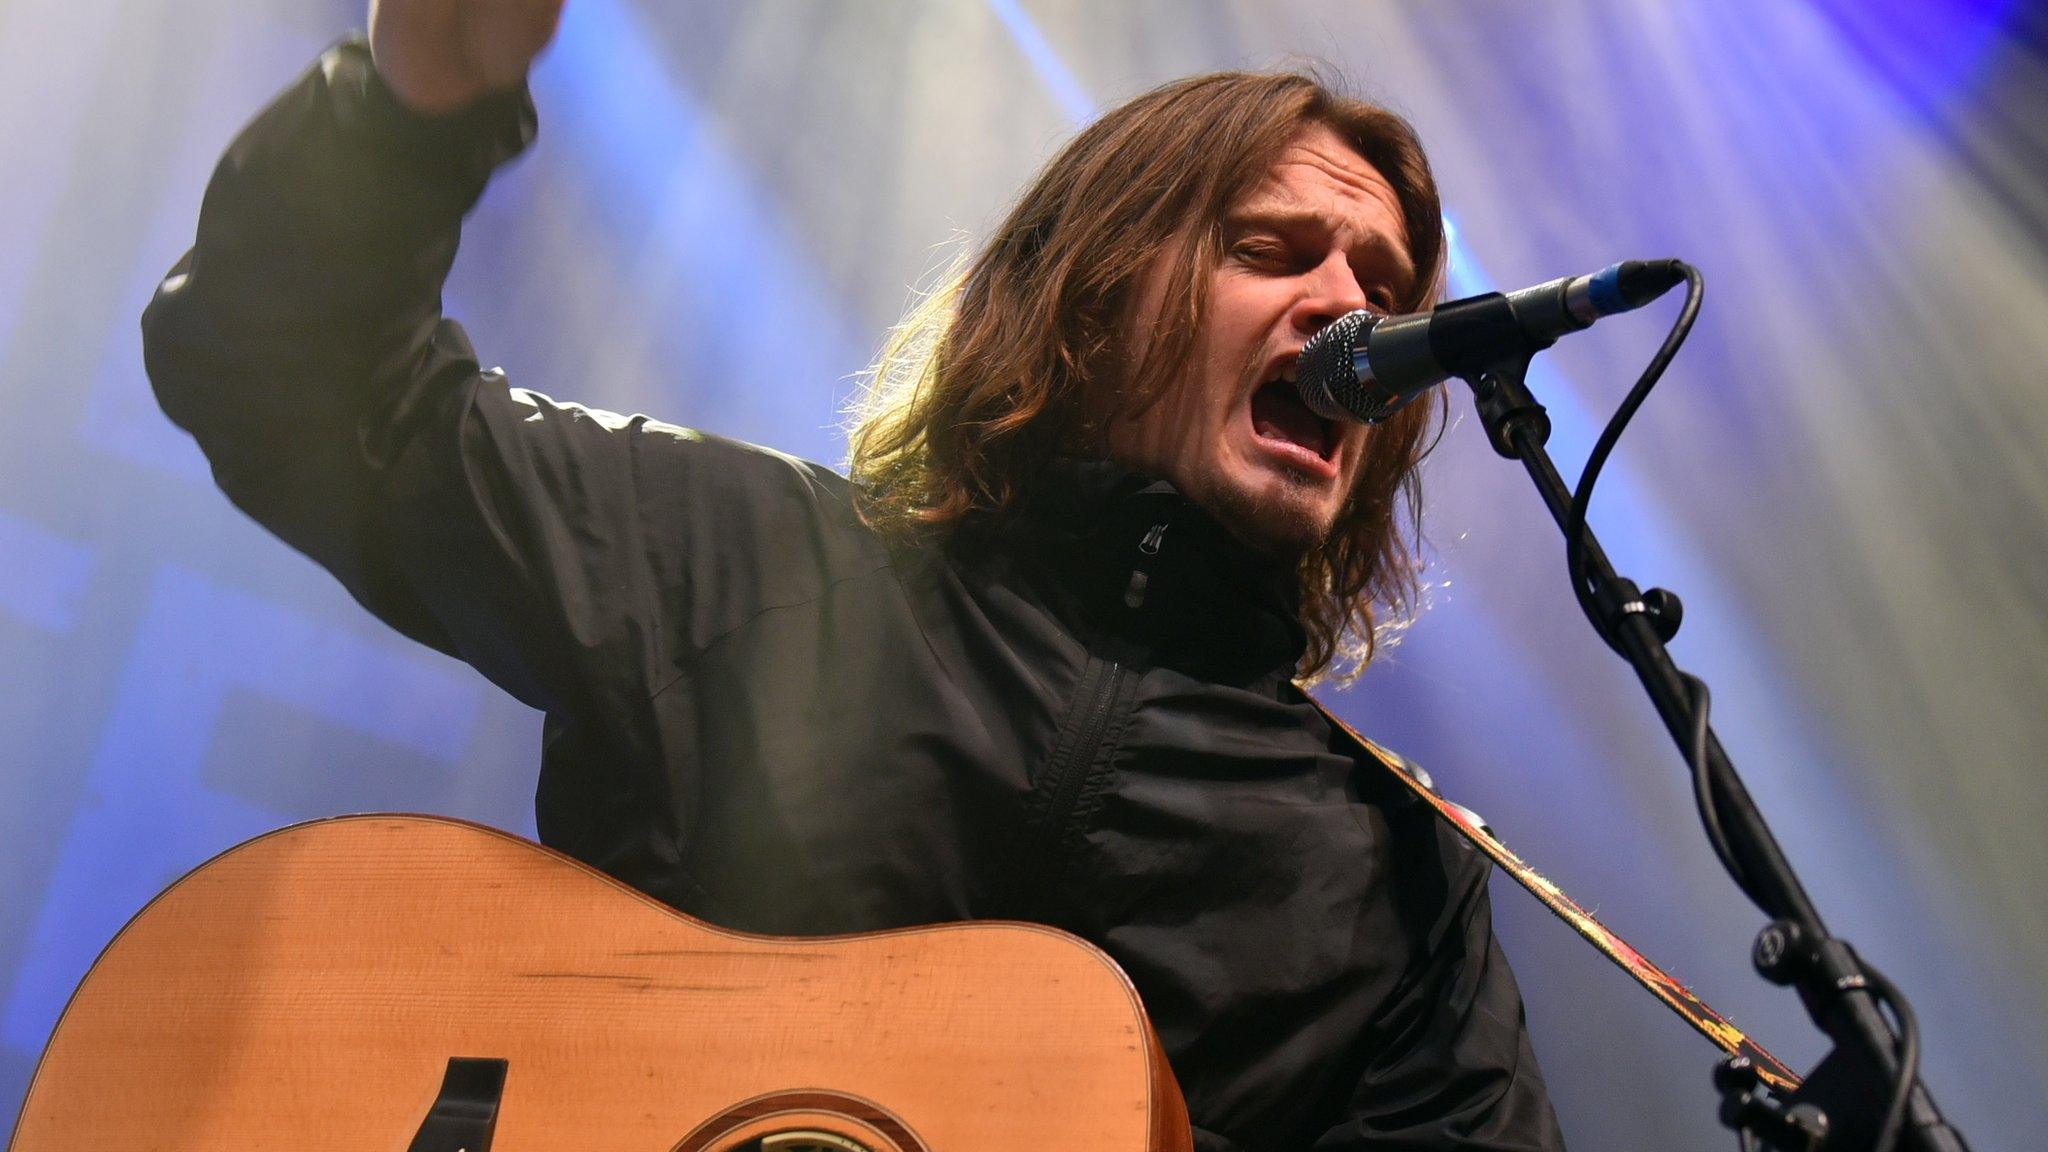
{"type": "Point", "coordinates": [441, 56]}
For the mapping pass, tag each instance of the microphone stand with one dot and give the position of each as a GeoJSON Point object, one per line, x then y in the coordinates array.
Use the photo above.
{"type": "Point", "coordinates": [1839, 1105]}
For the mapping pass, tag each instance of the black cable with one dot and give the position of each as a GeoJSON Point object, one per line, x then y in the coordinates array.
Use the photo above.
{"type": "Point", "coordinates": [1702, 788]}
{"type": "Point", "coordinates": [1582, 496]}
{"type": "Point", "coordinates": [1702, 783]}
{"type": "Point", "coordinates": [1908, 1052]}
{"type": "Point", "coordinates": [1588, 594]}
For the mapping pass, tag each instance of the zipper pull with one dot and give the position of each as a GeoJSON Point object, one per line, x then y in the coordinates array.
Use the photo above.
{"type": "Point", "coordinates": [1134, 592]}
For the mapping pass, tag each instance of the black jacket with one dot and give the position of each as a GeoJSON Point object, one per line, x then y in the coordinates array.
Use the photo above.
{"type": "Point", "coordinates": [763, 714]}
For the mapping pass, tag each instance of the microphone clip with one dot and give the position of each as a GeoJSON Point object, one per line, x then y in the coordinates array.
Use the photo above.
{"type": "Point", "coordinates": [1506, 406]}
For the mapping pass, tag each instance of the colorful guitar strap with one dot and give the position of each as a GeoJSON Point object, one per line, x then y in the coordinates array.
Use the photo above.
{"type": "Point", "coordinates": [1680, 999]}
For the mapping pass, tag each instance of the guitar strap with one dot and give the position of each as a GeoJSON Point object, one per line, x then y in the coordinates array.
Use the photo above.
{"type": "Point", "coordinates": [1680, 999]}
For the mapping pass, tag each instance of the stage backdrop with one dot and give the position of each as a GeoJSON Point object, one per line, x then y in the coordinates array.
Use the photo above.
{"type": "Point", "coordinates": [1844, 474]}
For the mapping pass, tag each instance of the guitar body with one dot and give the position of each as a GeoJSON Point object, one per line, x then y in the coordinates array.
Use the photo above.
{"type": "Point", "coordinates": [307, 991]}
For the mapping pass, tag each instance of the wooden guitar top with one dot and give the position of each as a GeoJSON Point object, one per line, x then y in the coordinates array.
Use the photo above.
{"type": "Point", "coordinates": [307, 990]}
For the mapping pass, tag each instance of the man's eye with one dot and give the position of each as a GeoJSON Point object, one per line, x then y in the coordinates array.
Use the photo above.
{"type": "Point", "coordinates": [1261, 252]}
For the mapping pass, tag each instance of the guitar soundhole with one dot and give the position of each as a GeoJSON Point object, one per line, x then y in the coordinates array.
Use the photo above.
{"type": "Point", "coordinates": [805, 1141]}
{"type": "Point", "coordinates": [803, 1120]}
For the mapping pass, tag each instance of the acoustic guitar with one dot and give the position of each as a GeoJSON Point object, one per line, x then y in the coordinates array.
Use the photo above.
{"type": "Point", "coordinates": [417, 984]}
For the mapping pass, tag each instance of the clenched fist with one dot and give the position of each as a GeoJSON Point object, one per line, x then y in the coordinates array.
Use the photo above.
{"type": "Point", "coordinates": [440, 56]}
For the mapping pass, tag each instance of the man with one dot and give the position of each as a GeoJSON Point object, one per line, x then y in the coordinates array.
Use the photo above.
{"type": "Point", "coordinates": [1035, 660]}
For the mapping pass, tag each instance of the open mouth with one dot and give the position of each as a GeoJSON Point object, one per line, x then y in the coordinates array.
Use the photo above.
{"type": "Point", "coordinates": [1280, 419]}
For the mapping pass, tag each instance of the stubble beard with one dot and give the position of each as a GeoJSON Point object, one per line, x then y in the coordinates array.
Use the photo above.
{"type": "Point", "coordinates": [1286, 524]}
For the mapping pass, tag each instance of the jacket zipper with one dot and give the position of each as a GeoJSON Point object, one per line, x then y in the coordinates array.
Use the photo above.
{"type": "Point", "coordinates": [1071, 771]}
{"type": "Point", "coordinates": [1041, 866]}
{"type": "Point", "coordinates": [1074, 772]}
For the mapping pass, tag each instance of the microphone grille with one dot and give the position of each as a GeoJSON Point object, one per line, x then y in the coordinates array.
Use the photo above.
{"type": "Point", "coordinates": [1327, 372]}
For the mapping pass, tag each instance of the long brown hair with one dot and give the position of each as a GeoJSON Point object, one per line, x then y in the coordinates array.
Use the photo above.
{"type": "Point", "coordinates": [1004, 366]}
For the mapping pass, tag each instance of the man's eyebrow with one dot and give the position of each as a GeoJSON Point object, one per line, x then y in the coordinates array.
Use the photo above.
{"type": "Point", "coordinates": [1393, 249]}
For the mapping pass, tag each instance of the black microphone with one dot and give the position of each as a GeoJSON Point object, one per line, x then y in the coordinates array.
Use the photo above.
{"type": "Point", "coordinates": [1365, 366]}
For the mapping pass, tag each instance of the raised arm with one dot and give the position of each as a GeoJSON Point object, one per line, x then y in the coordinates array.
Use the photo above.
{"type": "Point", "coordinates": [300, 341]}
{"type": "Point", "coordinates": [441, 56]}
{"type": "Point", "coordinates": [567, 553]}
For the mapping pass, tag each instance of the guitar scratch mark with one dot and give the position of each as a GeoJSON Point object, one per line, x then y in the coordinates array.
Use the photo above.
{"type": "Point", "coordinates": [643, 983]}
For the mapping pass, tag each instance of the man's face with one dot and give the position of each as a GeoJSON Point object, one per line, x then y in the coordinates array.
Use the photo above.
{"type": "Point", "coordinates": [1320, 237]}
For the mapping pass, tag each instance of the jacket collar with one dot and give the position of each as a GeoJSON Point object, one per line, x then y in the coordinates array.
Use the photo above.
{"type": "Point", "coordinates": [1149, 572]}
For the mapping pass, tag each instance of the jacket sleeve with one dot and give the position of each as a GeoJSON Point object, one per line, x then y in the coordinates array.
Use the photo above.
{"type": "Point", "coordinates": [301, 342]}
{"type": "Point", "coordinates": [1452, 1068]}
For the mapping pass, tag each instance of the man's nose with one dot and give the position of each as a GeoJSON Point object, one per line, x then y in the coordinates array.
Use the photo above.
{"type": "Point", "coordinates": [1332, 290]}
